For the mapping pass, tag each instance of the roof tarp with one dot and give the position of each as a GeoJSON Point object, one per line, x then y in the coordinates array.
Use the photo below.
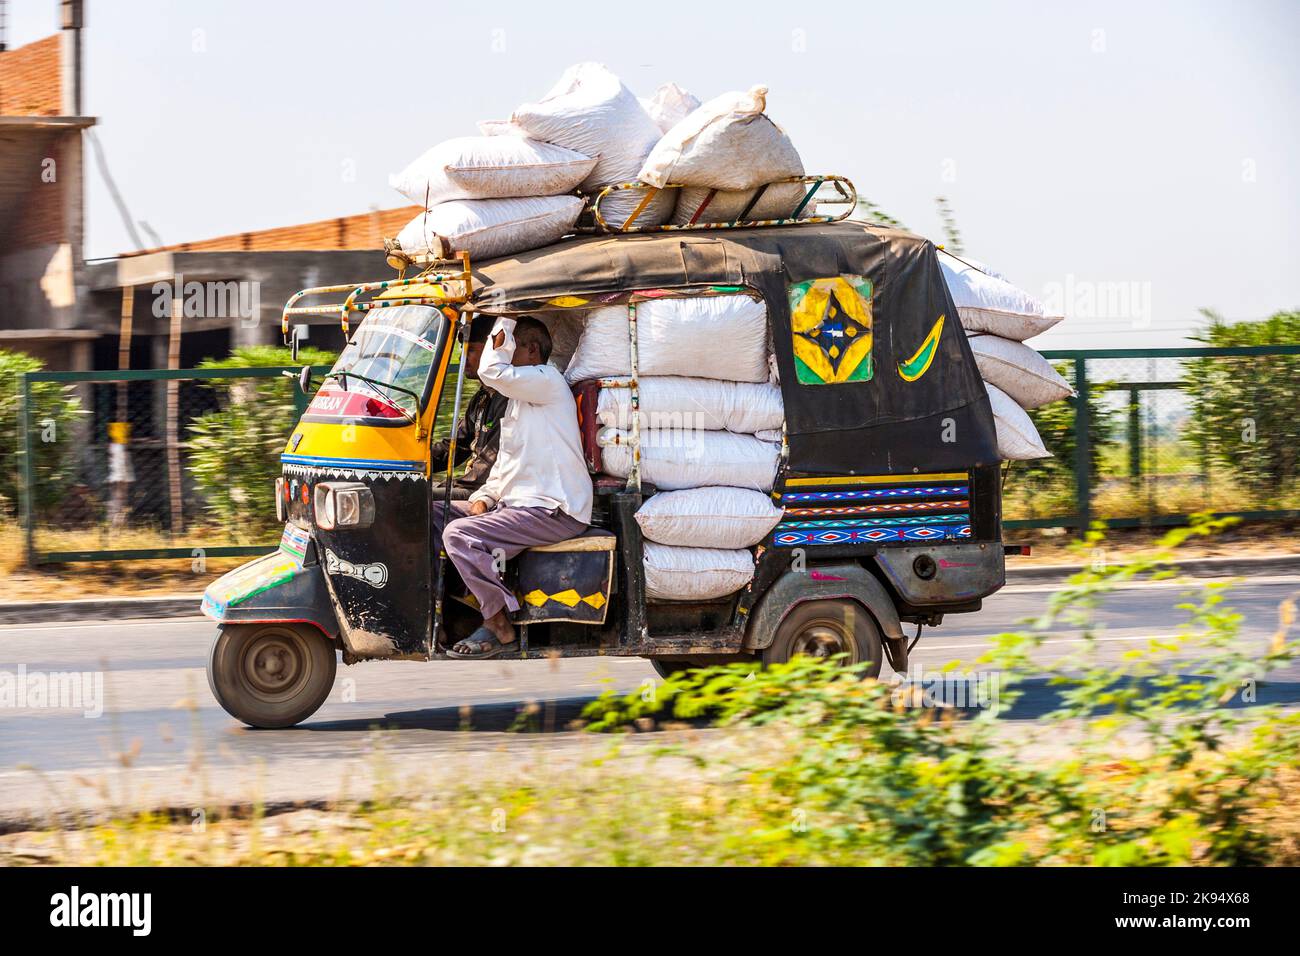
{"type": "Point", "coordinates": [876, 373]}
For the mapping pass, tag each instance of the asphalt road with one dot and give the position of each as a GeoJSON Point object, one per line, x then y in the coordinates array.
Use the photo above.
{"type": "Point", "coordinates": [162, 739]}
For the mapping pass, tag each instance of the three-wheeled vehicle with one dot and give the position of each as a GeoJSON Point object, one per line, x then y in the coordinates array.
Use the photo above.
{"type": "Point", "coordinates": [888, 473]}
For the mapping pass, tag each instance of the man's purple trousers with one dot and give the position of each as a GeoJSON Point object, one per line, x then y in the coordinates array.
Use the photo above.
{"type": "Point", "coordinates": [478, 546]}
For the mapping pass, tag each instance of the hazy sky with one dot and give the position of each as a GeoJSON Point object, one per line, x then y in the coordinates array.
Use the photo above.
{"type": "Point", "coordinates": [1133, 161]}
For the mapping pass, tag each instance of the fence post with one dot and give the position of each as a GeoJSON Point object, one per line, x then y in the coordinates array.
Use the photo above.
{"type": "Point", "coordinates": [1082, 450]}
{"type": "Point", "coordinates": [26, 508]}
{"type": "Point", "coordinates": [1135, 437]}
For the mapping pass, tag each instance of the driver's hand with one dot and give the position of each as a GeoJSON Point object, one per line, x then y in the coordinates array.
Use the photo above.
{"type": "Point", "coordinates": [478, 507]}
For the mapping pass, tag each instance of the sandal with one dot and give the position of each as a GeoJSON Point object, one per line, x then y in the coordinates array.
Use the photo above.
{"type": "Point", "coordinates": [485, 644]}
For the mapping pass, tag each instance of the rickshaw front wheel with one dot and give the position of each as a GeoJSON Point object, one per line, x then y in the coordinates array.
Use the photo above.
{"type": "Point", "coordinates": [828, 629]}
{"type": "Point", "coordinates": [271, 675]}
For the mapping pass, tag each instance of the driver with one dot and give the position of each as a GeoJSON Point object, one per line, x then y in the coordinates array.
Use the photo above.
{"type": "Point", "coordinates": [478, 436]}
{"type": "Point", "coordinates": [538, 491]}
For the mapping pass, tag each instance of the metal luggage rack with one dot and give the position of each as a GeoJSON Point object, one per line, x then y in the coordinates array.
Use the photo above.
{"type": "Point", "coordinates": [452, 275]}
{"type": "Point", "coordinates": [844, 192]}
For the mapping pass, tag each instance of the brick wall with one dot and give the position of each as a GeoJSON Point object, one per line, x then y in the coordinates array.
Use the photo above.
{"type": "Point", "coordinates": [31, 80]}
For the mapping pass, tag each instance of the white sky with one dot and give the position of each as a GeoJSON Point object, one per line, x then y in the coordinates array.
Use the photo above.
{"type": "Point", "coordinates": [1152, 144]}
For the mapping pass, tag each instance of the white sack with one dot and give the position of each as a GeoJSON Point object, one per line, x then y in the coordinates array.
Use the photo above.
{"type": "Point", "coordinates": [491, 167]}
{"type": "Point", "coordinates": [720, 337]}
{"type": "Point", "coordinates": [716, 517]}
{"type": "Point", "coordinates": [778, 202]}
{"type": "Point", "coordinates": [770, 434]}
{"type": "Point", "coordinates": [670, 105]}
{"type": "Point", "coordinates": [728, 143]}
{"type": "Point", "coordinates": [671, 402]}
{"type": "Point", "coordinates": [695, 574]}
{"type": "Point", "coordinates": [591, 111]}
{"type": "Point", "coordinates": [491, 227]}
{"type": "Point", "coordinates": [674, 459]}
{"type": "Point", "coordinates": [1019, 371]}
{"type": "Point", "coordinates": [987, 303]}
{"type": "Point", "coordinates": [1017, 437]}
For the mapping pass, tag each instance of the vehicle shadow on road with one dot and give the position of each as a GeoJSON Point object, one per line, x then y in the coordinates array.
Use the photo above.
{"type": "Point", "coordinates": [1038, 697]}
{"type": "Point", "coordinates": [542, 716]}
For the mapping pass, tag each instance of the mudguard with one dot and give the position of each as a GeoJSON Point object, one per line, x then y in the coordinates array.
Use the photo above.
{"type": "Point", "coordinates": [277, 587]}
{"type": "Point", "coordinates": [818, 583]}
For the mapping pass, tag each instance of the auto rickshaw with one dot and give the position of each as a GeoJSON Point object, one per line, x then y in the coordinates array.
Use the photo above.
{"type": "Point", "coordinates": [888, 474]}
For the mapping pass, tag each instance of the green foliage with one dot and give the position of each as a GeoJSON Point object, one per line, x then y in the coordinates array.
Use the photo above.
{"type": "Point", "coordinates": [234, 452]}
{"type": "Point", "coordinates": [1244, 409]}
{"type": "Point", "coordinates": [54, 411]}
{"type": "Point", "coordinates": [952, 235]}
{"type": "Point", "coordinates": [1056, 426]}
{"type": "Point", "coordinates": [1153, 771]}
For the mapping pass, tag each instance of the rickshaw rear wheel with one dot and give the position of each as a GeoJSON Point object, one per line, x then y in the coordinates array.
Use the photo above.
{"type": "Point", "coordinates": [825, 629]}
{"type": "Point", "coordinates": [271, 675]}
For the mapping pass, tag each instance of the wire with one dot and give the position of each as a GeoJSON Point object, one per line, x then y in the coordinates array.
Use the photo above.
{"type": "Point", "coordinates": [118, 201]}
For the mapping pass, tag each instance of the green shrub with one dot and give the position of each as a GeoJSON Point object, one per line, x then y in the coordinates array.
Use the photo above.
{"type": "Point", "coordinates": [234, 452]}
{"type": "Point", "coordinates": [1155, 773]}
{"type": "Point", "coordinates": [1244, 409]}
{"type": "Point", "coordinates": [54, 411]}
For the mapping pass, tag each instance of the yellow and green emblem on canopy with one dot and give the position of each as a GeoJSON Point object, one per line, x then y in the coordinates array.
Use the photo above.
{"type": "Point", "coordinates": [830, 322]}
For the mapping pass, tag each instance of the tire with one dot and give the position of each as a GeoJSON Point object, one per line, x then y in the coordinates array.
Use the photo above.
{"type": "Point", "coordinates": [826, 628]}
{"type": "Point", "coordinates": [271, 675]}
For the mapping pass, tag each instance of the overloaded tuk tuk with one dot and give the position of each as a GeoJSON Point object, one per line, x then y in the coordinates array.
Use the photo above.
{"type": "Point", "coordinates": [887, 472]}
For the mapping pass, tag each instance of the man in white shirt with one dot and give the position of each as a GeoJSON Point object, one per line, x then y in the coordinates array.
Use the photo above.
{"type": "Point", "coordinates": [538, 491]}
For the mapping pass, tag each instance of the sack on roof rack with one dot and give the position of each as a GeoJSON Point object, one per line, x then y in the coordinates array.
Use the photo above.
{"type": "Point", "coordinates": [728, 143]}
{"type": "Point", "coordinates": [491, 167]}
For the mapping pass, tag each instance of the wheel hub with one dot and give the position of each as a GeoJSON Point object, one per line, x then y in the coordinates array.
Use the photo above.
{"type": "Point", "coordinates": [275, 664]}
{"type": "Point", "coordinates": [822, 639]}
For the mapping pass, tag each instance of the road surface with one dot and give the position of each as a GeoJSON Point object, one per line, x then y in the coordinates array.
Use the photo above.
{"type": "Point", "coordinates": [163, 740]}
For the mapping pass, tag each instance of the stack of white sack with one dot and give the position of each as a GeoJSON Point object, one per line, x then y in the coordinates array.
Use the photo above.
{"type": "Point", "coordinates": [704, 397]}
{"type": "Point", "coordinates": [723, 337]}
{"type": "Point", "coordinates": [730, 145]}
{"type": "Point", "coordinates": [590, 110]}
{"type": "Point", "coordinates": [998, 317]}
{"type": "Point", "coordinates": [491, 195]}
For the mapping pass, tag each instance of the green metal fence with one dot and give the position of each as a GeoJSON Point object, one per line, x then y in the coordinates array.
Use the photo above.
{"type": "Point", "coordinates": [1153, 436]}
{"type": "Point", "coordinates": [191, 475]}
{"type": "Point", "coordinates": [1156, 435]}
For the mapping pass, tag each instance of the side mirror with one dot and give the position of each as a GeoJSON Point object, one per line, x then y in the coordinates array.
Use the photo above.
{"type": "Point", "coordinates": [293, 345]}
{"type": "Point", "coordinates": [304, 378]}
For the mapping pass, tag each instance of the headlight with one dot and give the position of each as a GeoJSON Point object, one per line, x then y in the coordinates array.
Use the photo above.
{"type": "Point", "coordinates": [344, 504]}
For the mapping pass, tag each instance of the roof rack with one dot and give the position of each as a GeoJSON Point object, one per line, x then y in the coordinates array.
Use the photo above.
{"type": "Point", "coordinates": [844, 193]}
{"type": "Point", "coordinates": [436, 272]}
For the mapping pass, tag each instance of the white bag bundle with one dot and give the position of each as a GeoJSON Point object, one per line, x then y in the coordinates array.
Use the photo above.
{"type": "Point", "coordinates": [695, 574]}
{"type": "Point", "coordinates": [728, 143]}
{"type": "Point", "coordinates": [721, 336]}
{"type": "Point", "coordinates": [668, 401]}
{"type": "Point", "coordinates": [670, 105]}
{"type": "Point", "coordinates": [777, 202]}
{"type": "Point", "coordinates": [491, 167]}
{"type": "Point", "coordinates": [987, 303]}
{"type": "Point", "coordinates": [719, 517]}
{"type": "Point", "coordinates": [590, 110]}
{"type": "Point", "coordinates": [675, 459]}
{"type": "Point", "coordinates": [1018, 439]}
{"type": "Point", "coordinates": [1019, 371]}
{"type": "Point", "coordinates": [490, 227]}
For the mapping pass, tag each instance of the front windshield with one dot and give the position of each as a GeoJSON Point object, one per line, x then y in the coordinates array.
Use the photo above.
{"type": "Point", "coordinates": [396, 346]}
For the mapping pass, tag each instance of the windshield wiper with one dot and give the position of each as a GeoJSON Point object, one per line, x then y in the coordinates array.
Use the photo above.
{"type": "Point", "coordinates": [345, 375]}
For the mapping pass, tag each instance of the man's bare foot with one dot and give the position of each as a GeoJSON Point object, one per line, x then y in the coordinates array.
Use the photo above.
{"type": "Point", "coordinates": [499, 624]}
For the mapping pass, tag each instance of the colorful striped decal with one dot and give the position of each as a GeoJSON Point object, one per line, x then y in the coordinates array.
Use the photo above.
{"type": "Point", "coordinates": [357, 464]}
{"type": "Point", "coordinates": [871, 509]}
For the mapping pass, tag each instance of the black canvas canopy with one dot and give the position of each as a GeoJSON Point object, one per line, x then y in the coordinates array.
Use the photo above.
{"type": "Point", "coordinates": [876, 373]}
